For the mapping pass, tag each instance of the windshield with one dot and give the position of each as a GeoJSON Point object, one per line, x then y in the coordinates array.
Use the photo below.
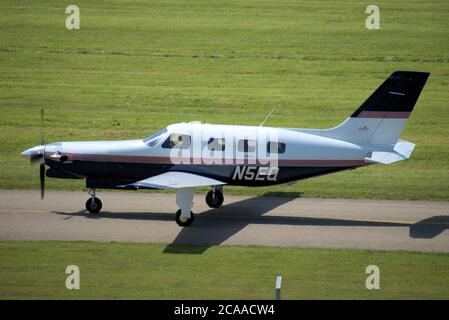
{"type": "Point", "coordinates": [155, 137]}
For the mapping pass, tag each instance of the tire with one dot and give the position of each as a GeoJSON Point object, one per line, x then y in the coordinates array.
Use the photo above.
{"type": "Point", "coordinates": [93, 206]}
{"type": "Point", "coordinates": [214, 202]}
{"type": "Point", "coordinates": [186, 223]}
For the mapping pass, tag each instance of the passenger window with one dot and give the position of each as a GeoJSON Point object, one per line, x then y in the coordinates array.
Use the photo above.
{"type": "Point", "coordinates": [216, 144]}
{"type": "Point", "coordinates": [275, 147]}
{"type": "Point", "coordinates": [246, 145]}
{"type": "Point", "coordinates": [180, 141]}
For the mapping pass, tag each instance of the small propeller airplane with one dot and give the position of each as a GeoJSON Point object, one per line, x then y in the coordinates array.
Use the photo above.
{"type": "Point", "coordinates": [184, 156]}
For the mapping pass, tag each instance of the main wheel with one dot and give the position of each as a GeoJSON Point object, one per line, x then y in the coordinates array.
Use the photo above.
{"type": "Point", "coordinates": [93, 206]}
{"type": "Point", "coordinates": [214, 199]}
{"type": "Point", "coordinates": [184, 222]}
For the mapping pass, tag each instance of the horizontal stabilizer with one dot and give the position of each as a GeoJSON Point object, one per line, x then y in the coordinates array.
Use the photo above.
{"type": "Point", "coordinates": [401, 151]}
{"type": "Point", "coordinates": [174, 180]}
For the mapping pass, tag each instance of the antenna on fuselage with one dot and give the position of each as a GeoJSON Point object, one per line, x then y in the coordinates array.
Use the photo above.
{"type": "Point", "coordinates": [266, 118]}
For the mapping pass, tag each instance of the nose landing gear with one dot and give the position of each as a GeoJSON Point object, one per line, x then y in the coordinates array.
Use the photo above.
{"type": "Point", "coordinates": [93, 205]}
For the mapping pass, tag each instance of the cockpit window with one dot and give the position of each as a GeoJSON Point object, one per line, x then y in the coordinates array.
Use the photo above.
{"type": "Point", "coordinates": [180, 141]}
{"type": "Point", "coordinates": [155, 137]}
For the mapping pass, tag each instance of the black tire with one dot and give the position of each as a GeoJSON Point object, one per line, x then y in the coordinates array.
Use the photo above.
{"type": "Point", "coordinates": [93, 206]}
{"type": "Point", "coordinates": [186, 223]}
{"type": "Point", "coordinates": [214, 201]}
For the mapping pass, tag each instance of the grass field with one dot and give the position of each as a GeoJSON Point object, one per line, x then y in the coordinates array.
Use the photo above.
{"type": "Point", "coordinates": [36, 270]}
{"type": "Point", "coordinates": [137, 66]}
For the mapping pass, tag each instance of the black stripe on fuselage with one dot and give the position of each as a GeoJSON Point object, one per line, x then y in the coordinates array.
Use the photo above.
{"type": "Point", "coordinates": [114, 174]}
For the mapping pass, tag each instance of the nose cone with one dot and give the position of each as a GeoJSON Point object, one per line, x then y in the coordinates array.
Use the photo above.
{"type": "Point", "coordinates": [34, 153]}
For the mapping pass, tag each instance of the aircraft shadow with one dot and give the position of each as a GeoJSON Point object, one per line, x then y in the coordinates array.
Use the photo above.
{"type": "Point", "coordinates": [225, 223]}
{"type": "Point", "coordinates": [429, 228]}
{"type": "Point", "coordinates": [215, 226]}
{"type": "Point", "coordinates": [217, 232]}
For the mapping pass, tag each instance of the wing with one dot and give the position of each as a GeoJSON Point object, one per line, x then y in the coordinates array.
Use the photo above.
{"type": "Point", "coordinates": [175, 180]}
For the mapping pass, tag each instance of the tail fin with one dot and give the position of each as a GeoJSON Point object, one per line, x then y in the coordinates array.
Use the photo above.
{"type": "Point", "coordinates": [395, 98]}
{"type": "Point", "coordinates": [381, 118]}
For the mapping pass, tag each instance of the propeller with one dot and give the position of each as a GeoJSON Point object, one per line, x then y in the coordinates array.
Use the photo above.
{"type": "Point", "coordinates": [42, 179]}
{"type": "Point", "coordinates": [42, 127]}
{"type": "Point", "coordinates": [37, 153]}
{"type": "Point", "coordinates": [42, 161]}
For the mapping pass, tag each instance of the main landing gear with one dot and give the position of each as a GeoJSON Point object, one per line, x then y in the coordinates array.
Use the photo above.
{"type": "Point", "coordinates": [184, 221]}
{"type": "Point", "coordinates": [184, 198]}
{"type": "Point", "coordinates": [93, 205]}
{"type": "Point", "coordinates": [215, 198]}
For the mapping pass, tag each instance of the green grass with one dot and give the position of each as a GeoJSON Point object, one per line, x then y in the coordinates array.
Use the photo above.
{"type": "Point", "coordinates": [137, 66]}
{"type": "Point", "coordinates": [36, 270]}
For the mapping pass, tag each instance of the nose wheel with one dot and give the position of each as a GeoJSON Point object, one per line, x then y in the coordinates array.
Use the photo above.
{"type": "Point", "coordinates": [214, 198]}
{"type": "Point", "coordinates": [93, 205]}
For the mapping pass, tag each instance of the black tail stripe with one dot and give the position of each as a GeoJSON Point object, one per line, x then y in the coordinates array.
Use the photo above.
{"type": "Point", "coordinates": [398, 93]}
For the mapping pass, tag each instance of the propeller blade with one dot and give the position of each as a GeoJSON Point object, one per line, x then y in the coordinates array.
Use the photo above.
{"type": "Point", "coordinates": [42, 127]}
{"type": "Point", "coordinates": [42, 179]}
{"type": "Point", "coordinates": [42, 164]}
